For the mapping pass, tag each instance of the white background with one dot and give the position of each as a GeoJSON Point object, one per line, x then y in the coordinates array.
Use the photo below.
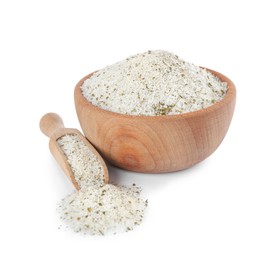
{"type": "Point", "coordinates": [223, 208]}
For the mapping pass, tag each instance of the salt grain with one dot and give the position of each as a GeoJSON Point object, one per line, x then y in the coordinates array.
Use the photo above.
{"type": "Point", "coordinates": [98, 208]}
{"type": "Point", "coordinates": [86, 167]}
{"type": "Point", "coordinates": [107, 210]}
{"type": "Point", "coordinates": [153, 83]}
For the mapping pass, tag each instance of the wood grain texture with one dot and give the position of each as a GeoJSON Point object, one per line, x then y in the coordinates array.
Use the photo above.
{"type": "Point", "coordinates": [155, 144]}
{"type": "Point", "coordinates": [52, 126]}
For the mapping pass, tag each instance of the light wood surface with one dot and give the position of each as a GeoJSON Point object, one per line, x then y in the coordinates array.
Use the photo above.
{"type": "Point", "coordinates": [52, 126]}
{"type": "Point", "coordinates": [156, 144]}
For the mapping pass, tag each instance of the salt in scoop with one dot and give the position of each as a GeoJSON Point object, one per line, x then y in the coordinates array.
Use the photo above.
{"type": "Point", "coordinates": [52, 125]}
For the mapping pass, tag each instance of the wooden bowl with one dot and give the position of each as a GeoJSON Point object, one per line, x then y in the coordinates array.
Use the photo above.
{"type": "Point", "coordinates": [156, 144]}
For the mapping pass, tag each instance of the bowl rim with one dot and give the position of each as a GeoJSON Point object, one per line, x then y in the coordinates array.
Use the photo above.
{"type": "Point", "coordinates": [228, 98]}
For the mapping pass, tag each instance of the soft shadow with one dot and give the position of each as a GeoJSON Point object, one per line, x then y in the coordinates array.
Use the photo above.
{"type": "Point", "coordinates": [153, 181]}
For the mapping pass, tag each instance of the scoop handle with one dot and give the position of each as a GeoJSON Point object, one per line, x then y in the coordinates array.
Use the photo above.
{"type": "Point", "coordinates": [50, 123]}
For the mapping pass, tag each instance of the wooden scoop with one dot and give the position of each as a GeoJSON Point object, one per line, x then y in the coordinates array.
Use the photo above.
{"type": "Point", "coordinates": [52, 126]}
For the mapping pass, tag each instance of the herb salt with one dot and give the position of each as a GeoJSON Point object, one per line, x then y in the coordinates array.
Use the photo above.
{"type": "Point", "coordinates": [108, 209]}
{"type": "Point", "coordinates": [153, 83]}
{"type": "Point", "coordinates": [97, 208]}
{"type": "Point", "coordinates": [86, 167]}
